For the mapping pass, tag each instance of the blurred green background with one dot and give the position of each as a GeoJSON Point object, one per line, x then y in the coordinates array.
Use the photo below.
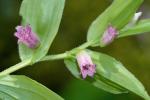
{"type": "Point", "coordinates": [133, 52]}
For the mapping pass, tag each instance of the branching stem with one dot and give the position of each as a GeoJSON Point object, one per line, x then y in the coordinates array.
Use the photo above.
{"type": "Point", "coordinates": [46, 58]}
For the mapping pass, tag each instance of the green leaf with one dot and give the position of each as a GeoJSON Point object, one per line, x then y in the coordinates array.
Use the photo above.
{"type": "Point", "coordinates": [72, 67]}
{"type": "Point", "coordinates": [117, 17]}
{"type": "Point", "coordinates": [110, 75]}
{"type": "Point", "coordinates": [100, 82]}
{"type": "Point", "coordinates": [114, 71]}
{"type": "Point", "coordinates": [141, 27]}
{"type": "Point", "coordinates": [44, 16]}
{"type": "Point", "coordinates": [23, 88]}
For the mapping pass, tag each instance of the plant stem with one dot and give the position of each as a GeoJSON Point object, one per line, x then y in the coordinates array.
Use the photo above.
{"type": "Point", "coordinates": [46, 58]}
{"type": "Point", "coordinates": [54, 57]}
{"type": "Point", "coordinates": [67, 54]}
{"type": "Point", "coordinates": [15, 67]}
{"type": "Point", "coordinates": [84, 45]}
{"type": "Point", "coordinates": [81, 47]}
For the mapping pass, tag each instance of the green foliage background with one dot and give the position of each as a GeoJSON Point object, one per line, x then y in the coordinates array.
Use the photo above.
{"type": "Point", "coordinates": [133, 52]}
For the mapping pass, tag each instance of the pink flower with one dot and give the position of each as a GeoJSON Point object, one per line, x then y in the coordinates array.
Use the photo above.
{"type": "Point", "coordinates": [26, 36]}
{"type": "Point", "coordinates": [86, 65]}
{"type": "Point", "coordinates": [109, 35]}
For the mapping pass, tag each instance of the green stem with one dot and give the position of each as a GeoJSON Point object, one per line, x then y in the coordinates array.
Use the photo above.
{"type": "Point", "coordinates": [27, 62]}
{"type": "Point", "coordinates": [67, 54]}
{"type": "Point", "coordinates": [85, 45]}
{"type": "Point", "coordinates": [55, 57]}
{"type": "Point", "coordinates": [46, 58]}
{"type": "Point", "coordinates": [81, 47]}
{"type": "Point", "coordinates": [15, 67]}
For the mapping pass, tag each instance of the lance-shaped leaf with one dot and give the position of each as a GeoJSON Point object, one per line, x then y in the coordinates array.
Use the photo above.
{"type": "Point", "coordinates": [118, 14]}
{"type": "Point", "coordinates": [99, 82]}
{"type": "Point", "coordinates": [23, 88]}
{"type": "Point", "coordinates": [44, 17]}
{"type": "Point", "coordinates": [110, 75]}
{"type": "Point", "coordinates": [141, 27]}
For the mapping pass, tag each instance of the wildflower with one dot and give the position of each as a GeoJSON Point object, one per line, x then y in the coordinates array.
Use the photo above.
{"type": "Point", "coordinates": [26, 36]}
{"type": "Point", "coordinates": [86, 65]}
{"type": "Point", "coordinates": [109, 35]}
{"type": "Point", "coordinates": [134, 20]}
{"type": "Point", "coordinates": [137, 16]}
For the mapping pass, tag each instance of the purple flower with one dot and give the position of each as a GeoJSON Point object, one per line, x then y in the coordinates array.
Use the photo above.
{"type": "Point", "coordinates": [109, 35]}
{"type": "Point", "coordinates": [26, 36]}
{"type": "Point", "coordinates": [86, 65]}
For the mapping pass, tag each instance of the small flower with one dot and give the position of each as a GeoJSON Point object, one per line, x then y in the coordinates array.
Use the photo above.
{"type": "Point", "coordinates": [137, 16]}
{"type": "Point", "coordinates": [134, 19]}
{"type": "Point", "coordinates": [26, 36]}
{"type": "Point", "coordinates": [86, 65]}
{"type": "Point", "coordinates": [109, 35]}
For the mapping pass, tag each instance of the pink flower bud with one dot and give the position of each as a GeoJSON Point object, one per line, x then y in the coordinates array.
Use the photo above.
{"type": "Point", "coordinates": [86, 65]}
{"type": "Point", "coordinates": [26, 36]}
{"type": "Point", "coordinates": [109, 35]}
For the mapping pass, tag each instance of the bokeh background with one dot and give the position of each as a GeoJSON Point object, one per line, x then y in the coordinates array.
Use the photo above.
{"type": "Point", "coordinates": [133, 52]}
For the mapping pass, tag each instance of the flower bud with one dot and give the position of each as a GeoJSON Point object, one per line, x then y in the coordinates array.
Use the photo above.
{"type": "Point", "coordinates": [86, 65]}
{"type": "Point", "coordinates": [135, 19]}
{"type": "Point", "coordinates": [109, 35]}
{"type": "Point", "coordinates": [26, 36]}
